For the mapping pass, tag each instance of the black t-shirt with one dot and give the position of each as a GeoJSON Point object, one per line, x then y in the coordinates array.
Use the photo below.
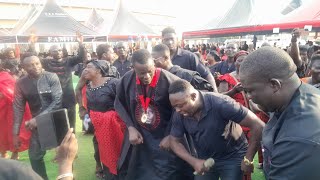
{"type": "Point", "coordinates": [78, 69]}
{"type": "Point", "coordinates": [123, 67]}
{"type": "Point", "coordinates": [224, 68]}
{"type": "Point", "coordinates": [291, 139]}
{"type": "Point", "coordinates": [213, 69]}
{"type": "Point", "coordinates": [216, 134]}
{"type": "Point", "coordinates": [64, 69]}
{"type": "Point", "coordinates": [190, 61]}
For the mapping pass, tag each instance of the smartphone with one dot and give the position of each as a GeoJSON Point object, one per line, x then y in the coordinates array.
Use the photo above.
{"type": "Point", "coordinates": [52, 128]}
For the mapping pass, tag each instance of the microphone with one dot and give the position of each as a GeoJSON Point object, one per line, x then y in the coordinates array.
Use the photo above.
{"type": "Point", "coordinates": [207, 164]}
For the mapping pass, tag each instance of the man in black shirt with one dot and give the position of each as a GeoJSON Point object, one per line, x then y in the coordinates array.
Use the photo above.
{"type": "Point", "coordinates": [63, 67]}
{"type": "Point", "coordinates": [78, 69]}
{"type": "Point", "coordinates": [228, 65]}
{"type": "Point", "coordinates": [185, 59]}
{"type": "Point", "coordinates": [291, 138]}
{"type": "Point", "coordinates": [299, 54]}
{"type": "Point", "coordinates": [105, 52]}
{"type": "Point", "coordinates": [245, 46]}
{"type": "Point", "coordinates": [123, 63]}
{"type": "Point", "coordinates": [212, 120]}
{"type": "Point", "coordinates": [161, 57]}
{"type": "Point", "coordinates": [42, 91]}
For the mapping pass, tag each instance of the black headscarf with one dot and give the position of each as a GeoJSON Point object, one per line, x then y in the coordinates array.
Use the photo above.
{"type": "Point", "coordinates": [215, 55]}
{"type": "Point", "coordinates": [102, 65]}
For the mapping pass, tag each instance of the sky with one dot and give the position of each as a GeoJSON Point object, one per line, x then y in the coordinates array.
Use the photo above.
{"type": "Point", "coordinates": [190, 14]}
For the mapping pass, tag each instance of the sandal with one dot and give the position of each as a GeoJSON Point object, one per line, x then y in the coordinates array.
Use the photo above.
{"type": "Point", "coordinates": [5, 155]}
{"type": "Point", "coordinates": [99, 172]}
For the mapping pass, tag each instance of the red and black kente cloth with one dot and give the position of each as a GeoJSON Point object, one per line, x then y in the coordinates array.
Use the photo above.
{"type": "Point", "coordinates": [109, 131]}
{"type": "Point", "coordinates": [7, 83]}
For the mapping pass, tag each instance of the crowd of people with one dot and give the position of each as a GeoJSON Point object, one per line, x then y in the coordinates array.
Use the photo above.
{"type": "Point", "coordinates": [162, 114]}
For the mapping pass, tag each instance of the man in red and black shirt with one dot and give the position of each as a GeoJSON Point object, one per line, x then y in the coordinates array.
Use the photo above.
{"type": "Point", "coordinates": [142, 102]}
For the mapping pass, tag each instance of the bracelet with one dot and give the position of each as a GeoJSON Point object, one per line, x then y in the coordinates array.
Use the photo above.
{"type": "Point", "coordinates": [247, 161]}
{"type": "Point", "coordinates": [65, 175]}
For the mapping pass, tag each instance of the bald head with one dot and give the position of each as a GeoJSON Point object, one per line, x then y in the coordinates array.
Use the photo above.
{"type": "Point", "coordinates": [265, 44]}
{"type": "Point", "coordinates": [121, 44]}
{"type": "Point", "coordinates": [267, 63]}
{"type": "Point", "coordinates": [122, 50]}
{"type": "Point", "coordinates": [56, 52]}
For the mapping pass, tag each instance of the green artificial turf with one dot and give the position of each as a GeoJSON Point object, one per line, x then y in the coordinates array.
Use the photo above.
{"type": "Point", "coordinates": [84, 165]}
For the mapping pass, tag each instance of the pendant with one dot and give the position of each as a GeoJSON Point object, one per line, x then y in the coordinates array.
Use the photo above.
{"type": "Point", "coordinates": [144, 117]}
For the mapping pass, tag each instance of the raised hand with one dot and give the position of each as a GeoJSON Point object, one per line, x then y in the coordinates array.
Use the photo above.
{"type": "Point", "coordinates": [79, 37]}
{"type": "Point", "coordinates": [296, 33]}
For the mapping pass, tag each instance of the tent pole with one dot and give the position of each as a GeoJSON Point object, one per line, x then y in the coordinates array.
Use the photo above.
{"type": "Point", "coordinates": [17, 42]}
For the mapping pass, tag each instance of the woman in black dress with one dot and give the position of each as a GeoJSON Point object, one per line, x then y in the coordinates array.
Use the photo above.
{"type": "Point", "coordinates": [109, 128]}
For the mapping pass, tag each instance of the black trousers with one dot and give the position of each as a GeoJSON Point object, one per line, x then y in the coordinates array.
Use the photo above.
{"type": "Point", "coordinates": [96, 150]}
{"type": "Point", "coordinates": [108, 176]}
{"type": "Point", "coordinates": [36, 155]}
{"type": "Point", "coordinates": [149, 162]}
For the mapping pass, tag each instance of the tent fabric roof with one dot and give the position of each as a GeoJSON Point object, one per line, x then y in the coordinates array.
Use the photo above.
{"type": "Point", "coordinates": [308, 14]}
{"type": "Point", "coordinates": [125, 24]}
{"type": "Point", "coordinates": [95, 20]}
{"type": "Point", "coordinates": [31, 14]}
{"type": "Point", "coordinates": [52, 21]}
{"type": "Point", "coordinates": [4, 32]}
{"type": "Point", "coordinates": [240, 13]}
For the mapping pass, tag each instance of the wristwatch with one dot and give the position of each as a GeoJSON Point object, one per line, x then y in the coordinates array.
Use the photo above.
{"type": "Point", "coordinates": [247, 162]}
